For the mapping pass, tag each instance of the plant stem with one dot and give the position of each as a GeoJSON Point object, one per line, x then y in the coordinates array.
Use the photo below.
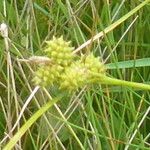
{"type": "Point", "coordinates": [112, 81]}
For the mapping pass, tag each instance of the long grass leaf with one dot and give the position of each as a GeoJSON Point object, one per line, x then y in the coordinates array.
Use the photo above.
{"type": "Point", "coordinates": [129, 64]}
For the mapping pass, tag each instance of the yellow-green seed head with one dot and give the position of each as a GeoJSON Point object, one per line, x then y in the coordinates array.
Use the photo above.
{"type": "Point", "coordinates": [64, 70]}
{"type": "Point", "coordinates": [47, 75]}
{"type": "Point", "coordinates": [93, 64]}
{"type": "Point", "coordinates": [81, 72]}
{"type": "Point", "coordinates": [59, 51]}
{"type": "Point", "coordinates": [74, 77]}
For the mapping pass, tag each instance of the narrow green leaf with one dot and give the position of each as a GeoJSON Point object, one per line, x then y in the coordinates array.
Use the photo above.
{"type": "Point", "coordinates": [62, 7]}
{"type": "Point", "coordinates": [41, 9]}
{"type": "Point", "coordinates": [129, 64]}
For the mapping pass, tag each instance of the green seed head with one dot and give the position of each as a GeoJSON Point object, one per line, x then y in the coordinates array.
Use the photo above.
{"type": "Point", "coordinates": [59, 51]}
{"type": "Point", "coordinates": [68, 73]}
{"type": "Point", "coordinates": [47, 75]}
{"type": "Point", "coordinates": [93, 64]}
{"type": "Point", "coordinates": [79, 73]}
{"type": "Point", "coordinates": [74, 77]}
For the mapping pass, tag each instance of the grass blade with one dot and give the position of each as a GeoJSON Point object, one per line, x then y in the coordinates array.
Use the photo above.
{"type": "Point", "coordinates": [129, 64]}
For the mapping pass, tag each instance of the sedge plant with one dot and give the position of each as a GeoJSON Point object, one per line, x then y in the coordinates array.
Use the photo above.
{"type": "Point", "coordinates": [71, 72]}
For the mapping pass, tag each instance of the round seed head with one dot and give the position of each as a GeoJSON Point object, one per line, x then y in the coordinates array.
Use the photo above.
{"type": "Point", "coordinates": [59, 51]}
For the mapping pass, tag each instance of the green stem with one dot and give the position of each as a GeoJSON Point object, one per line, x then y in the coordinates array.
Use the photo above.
{"type": "Point", "coordinates": [112, 81]}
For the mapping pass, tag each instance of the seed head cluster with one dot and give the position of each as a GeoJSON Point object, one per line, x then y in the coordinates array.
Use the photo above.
{"type": "Point", "coordinates": [46, 75]}
{"type": "Point", "coordinates": [79, 73]}
{"type": "Point", "coordinates": [59, 51]}
{"type": "Point", "coordinates": [65, 69]}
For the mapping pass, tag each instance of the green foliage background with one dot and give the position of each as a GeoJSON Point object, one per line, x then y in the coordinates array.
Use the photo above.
{"type": "Point", "coordinates": [100, 117]}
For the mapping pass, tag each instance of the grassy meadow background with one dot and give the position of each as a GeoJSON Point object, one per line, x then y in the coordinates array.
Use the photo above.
{"type": "Point", "coordinates": [100, 117]}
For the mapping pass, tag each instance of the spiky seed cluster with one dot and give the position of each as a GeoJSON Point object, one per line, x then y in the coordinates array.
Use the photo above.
{"type": "Point", "coordinates": [93, 64]}
{"type": "Point", "coordinates": [74, 77]}
{"type": "Point", "coordinates": [79, 73]}
{"type": "Point", "coordinates": [67, 72]}
{"type": "Point", "coordinates": [60, 54]}
{"type": "Point", "coordinates": [47, 75]}
{"type": "Point", "coordinates": [59, 51]}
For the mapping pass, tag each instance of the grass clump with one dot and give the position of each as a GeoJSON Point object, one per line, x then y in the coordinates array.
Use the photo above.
{"type": "Point", "coordinates": [100, 86]}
